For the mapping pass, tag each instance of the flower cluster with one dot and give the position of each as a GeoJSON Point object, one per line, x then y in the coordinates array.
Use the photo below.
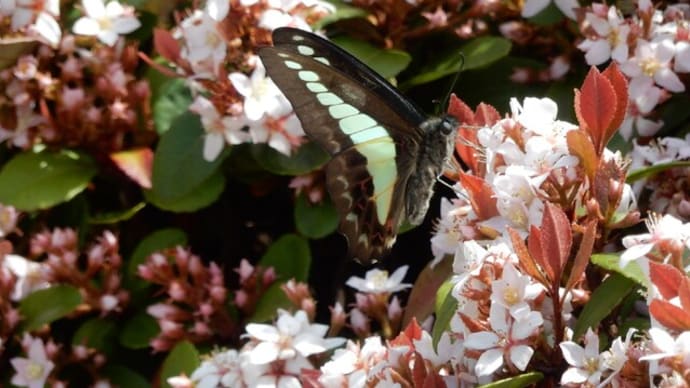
{"type": "Point", "coordinates": [667, 189]}
{"type": "Point", "coordinates": [213, 49]}
{"type": "Point", "coordinates": [75, 91]}
{"type": "Point", "coordinates": [651, 47]}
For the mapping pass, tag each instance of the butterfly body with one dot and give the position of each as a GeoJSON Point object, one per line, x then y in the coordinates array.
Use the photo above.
{"type": "Point", "coordinates": [385, 154]}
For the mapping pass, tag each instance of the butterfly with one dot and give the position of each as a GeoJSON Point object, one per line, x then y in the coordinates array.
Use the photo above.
{"type": "Point", "coordinates": [385, 153]}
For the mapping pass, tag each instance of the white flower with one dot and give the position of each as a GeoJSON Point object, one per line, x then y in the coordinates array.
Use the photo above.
{"type": "Point", "coordinates": [507, 340]}
{"type": "Point", "coordinates": [292, 337]}
{"type": "Point", "coordinates": [533, 7]}
{"type": "Point", "coordinates": [29, 275]}
{"type": "Point", "coordinates": [219, 129]}
{"type": "Point", "coordinates": [106, 22]}
{"type": "Point", "coordinates": [445, 350]}
{"type": "Point", "coordinates": [282, 134]}
{"type": "Point", "coordinates": [261, 95]}
{"type": "Point", "coordinates": [653, 59]}
{"type": "Point", "coordinates": [666, 228]}
{"type": "Point", "coordinates": [348, 367]}
{"type": "Point", "coordinates": [586, 363]}
{"type": "Point", "coordinates": [33, 371]}
{"type": "Point", "coordinates": [203, 48]}
{"type": "Point", "coordinates": [678, 348]}
{"type": "Point", "coordinates": [512, 290]}
{"type": "Point", "coordinates": [223, 369]}
{"type": "Point", "coordinates": [612, 41]}
{"type": "Point", "coordinates": [218, 9]}
{"type": "Point", "coordinates": [377, 281]}
{"type": "Point", "coordinates": [681, 63]}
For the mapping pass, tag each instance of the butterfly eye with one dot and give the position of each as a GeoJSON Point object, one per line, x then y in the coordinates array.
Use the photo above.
{"type": "Point", "coordinates": [448, 125]}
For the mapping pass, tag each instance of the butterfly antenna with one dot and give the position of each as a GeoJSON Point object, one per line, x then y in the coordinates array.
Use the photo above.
{"type": "Point", "coordinates": [444, 104]}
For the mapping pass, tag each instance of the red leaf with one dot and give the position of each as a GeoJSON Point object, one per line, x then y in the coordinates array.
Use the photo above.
{"type": "Point", "coordinates": [596, 106]}
{"type": "Point", "coordinates": [136, 164]}
{"type": "Point", "coordinates": [666, 278]}
{"type": "Point", "coordinates": [684, 293]}
{"type": "Point", "coordinates": [166, 45]}
{"type": "Point", "coordinates": [670, 315]}
{"type": "Point", "coordinates": [580, 145]}
{"type": "Point", "coordinates": [620, 85]}
{"type": "Point", "coordinates": [458, 109]}
{"type": "Point", "coordinates": [583, 254]}
{"type": "Point", "coordinates": [527, 264]}
{"type": "Point", "coordinates": [556, 238]}
{"type": "Point", "coordinates": [536, 250]}
{"type": "Point", "coordinates": [486, 115]}
{"type": "Point", "coordinates": [481, 196]}
{"type": "Point", "coordinates": [419, 372]}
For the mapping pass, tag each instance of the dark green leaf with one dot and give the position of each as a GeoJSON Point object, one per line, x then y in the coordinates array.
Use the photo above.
{"type": "Point", "coordinates": [171, 100]}
{"type": "Point", "coordinates": [138, 331]}
{"type": "Point", "coordinates": [602, 302]}
{"type": "Point", "coordinates": [179, 168]}
{"type": "Point", "coordinates": [96, 333]}
{"type": "Point", "coordinates": [611, 262]}
{"type": "Point", "coordinates": [548, 16]}
{"type": "Point", "coordinates": [267, 307]}
{"type": "Point", "coordinates": [522, 380]}
{"type": "Point", "coordinates": [342, 11]}
{"type": "Point", "coordinates": [32, 181]}
{"type": "Point", "coordinates": [184, 358]}
{"type": "Point", "coordinates": [315, 221]}
{"type": "Point", "coordinates": [121, 376]}
{"type": "Point", "coordinates": [47, 305]}
{"type": "Point", "coordinates": [290, 256]}
{"type": "Point", "coordinates": [118, 216]}
{"type": "Point", "coordinates": [203, 195]}
{"type": "Point", "coordinates": [477, 53]}
{"type": "Point", "coordinates": [387, 62]}
{"type": "Point", "coordinates": [306, 158]}
{"type": "Point", "coordinates": [446, 307]}
{"type": "Point", "coordinates": [646, 172]}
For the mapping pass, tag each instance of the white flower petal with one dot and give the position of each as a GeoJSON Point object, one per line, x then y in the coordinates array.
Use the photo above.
{"type": "Point", "coordinates": [86, 26]}
{"type": "Point", "coordinates": [533, 7]}
{"type": "Point", "coordinates": [520, 356]}
{"type": "Point", "coordinates": [489, 362]}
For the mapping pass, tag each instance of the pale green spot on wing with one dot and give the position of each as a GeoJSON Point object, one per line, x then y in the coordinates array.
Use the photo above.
{"type": "Point", "coordinates": [380, 154]}
{"type": "Point", "coordinates": [322, 60]}
{"type": "Point", "coordinates": [369, 134]}
{"type": "Point", "coordinates": [293, 65]}
{"type": "Point", "coordinates": [308, 76]}
{"type": "Point", "coordinates": [328, 99]}
{"type": "Point", "coordinates": [356, 123]}
{"type": "Point", "coordinates": [305, 50]}
{"type": "Point", "coordinates": [342, 110]}
{"type": "Point", "coordinates": [316, 87]}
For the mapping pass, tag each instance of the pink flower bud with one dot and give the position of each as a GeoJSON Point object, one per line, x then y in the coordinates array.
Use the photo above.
{"type": "Point", "coordinates": [176, 291]}
{"type": "Point", "coordinates": [241, 298]}
{"type": "Point", "coordinates": [245, 270]}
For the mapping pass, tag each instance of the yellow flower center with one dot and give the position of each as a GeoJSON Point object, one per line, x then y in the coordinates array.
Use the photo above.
{"type": "Point", "coordinates": [649, 66]}
{"type": "Point", "coordinates": [511, 295]}
{"type": "Point", "coordinates": [33, 371]}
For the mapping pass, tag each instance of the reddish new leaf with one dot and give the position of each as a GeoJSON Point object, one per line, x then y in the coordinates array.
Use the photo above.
{"type": "Point", "coordinates": [166, 45]}
{"type": "Point", "coordinates": [481, 196]}
{"type": "Point", "coordinates": [684, 293]}
{"type": "Point", "coordinates": [527, 264]}
{"type": "Point", "coordinates": [556, 239]}
{"type": "Point", "coordinates": [620, 85]}
{"type": "Point", "coordinates": [596, 106]}
{"type": "Point", "coordinates": [666, 278]}
{"type": "Point", "coordinates": [136, 164]}
{"type": "Point", "coordinates": [460, 111]}
{"type": "Point", "coordinates": [670, 315]}
{"type": "Point", "coordinates": [486, 115]}
{"type": "Point", "coordinates": [419, 372]}
{"type": "Point", "coordinates": [583, 255]}
{"type": "Point", "coordinates": [433, 380]}
{"type": "Point", "coordinates": [412, 332]}
{"type": "Point", "coordinates": [536, 250]}
{"type": "Point", "coordinates": [580, 145]}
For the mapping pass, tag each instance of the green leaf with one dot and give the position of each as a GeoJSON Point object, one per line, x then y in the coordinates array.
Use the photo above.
{"type": "Point", "coordinates": [315, 221]}
{"type": "Point", "coordinates": [519, 381]}
{"type": "Point", "coordinates": [203, 195]}
{"type": "Point", "coordinates": [602, 302]}
{"type": "Point", "coordinates": [179, 168]}
{"type": "Point", "coordinates": [121, 376]}
{"type": "Point", "coordinates": [47, 305]}
{"type": "Point", "coordinates": [646, 172]}
{"type": "Point", "coordinates": [444, 311]}
{"type": "Point", "coordinates": [477, 53]}
{"type": "Point", "coordinates": [548, 16]}
{"type": "Point", "coordinates": [32, 181]}
{"type": "Point", "coordinates": [156, 241]}
{"type": "Point", "coordinates": [138, 331]}
{"type": "Point", "coordinates": [269, 303]}
{"type": "Point", "coordinates": [306, 158]}
{"type": "Point", "coordinates": [611, 262]}
{"type": "Point", "coordinates": [289, 256]}
{"type": "Point", "coordinates": [96, 333]}
{"type": "Point", "coordinates": [170, 101]}
{"type": "Point", "coordinates": [342, 11]}
{"type": "Point", "coordinates": [184, 358]}
{"type": "Point", "coordinates": [117, 216]}
{"type": "Point", "coordinates": [387, 62]}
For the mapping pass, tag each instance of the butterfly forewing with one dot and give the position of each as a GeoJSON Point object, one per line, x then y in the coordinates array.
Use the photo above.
{"type": "Point", "coordinates": [369, 141]}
